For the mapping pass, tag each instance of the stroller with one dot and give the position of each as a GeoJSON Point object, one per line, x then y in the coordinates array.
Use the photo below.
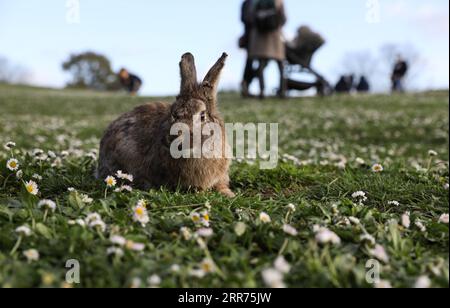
{"type": "Point", "coordinates": [299, 54]}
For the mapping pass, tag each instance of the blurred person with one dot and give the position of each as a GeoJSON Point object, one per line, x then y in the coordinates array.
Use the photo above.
{"type": "Point", "coordinates": [130, 82]}
{"type": "Point", "coordinates": [398, 75]}
{"type": "Point", "coordinates": [266, 39]}
{"type": "Point", "coordinates": [345, 84]}
{"type": "Point", "coordinates": [244, 41]}
{"type": "Point", "coordinates": [363, 85]}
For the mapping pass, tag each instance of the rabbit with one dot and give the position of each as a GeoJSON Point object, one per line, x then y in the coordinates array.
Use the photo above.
{"type": "Point", "coordinates": [139, 141]}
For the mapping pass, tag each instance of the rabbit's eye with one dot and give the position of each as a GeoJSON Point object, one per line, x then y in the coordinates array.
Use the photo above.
{"type": "Point", "coordinates": [203, 116]}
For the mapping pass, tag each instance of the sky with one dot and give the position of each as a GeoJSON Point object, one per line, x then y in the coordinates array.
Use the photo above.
{"type": "Point", "coordinates": [148, 37]}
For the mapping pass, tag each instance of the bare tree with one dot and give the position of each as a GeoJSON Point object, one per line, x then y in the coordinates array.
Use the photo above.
{"type": "Point", "coordinates": [360, 63]}
{"type": "Point", "coordinates": [10, 73]}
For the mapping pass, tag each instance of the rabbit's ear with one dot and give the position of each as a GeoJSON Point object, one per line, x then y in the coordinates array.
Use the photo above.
{"type": "Point", "coordinates": [188, 74]}
{"type": "Point", "coordinates": [211, 81]}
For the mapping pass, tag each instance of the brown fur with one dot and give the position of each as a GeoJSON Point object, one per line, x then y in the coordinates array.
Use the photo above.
{"type": "Point", "coordinates": [139, 141]}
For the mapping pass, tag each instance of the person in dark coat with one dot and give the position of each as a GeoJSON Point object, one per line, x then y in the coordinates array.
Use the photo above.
{"type": "Point", "coordinates": [130, 82]}
{"type": "Point", "coordinates": [363, 85]}
{"type": "Point", "coordinates": [398, 75]}
{"type": "Point", "coordinates": [345, 84]}
{"type": "Point", "coordinates": [244, 43]}
{"type": "Point", "coordinates": [268, 44]}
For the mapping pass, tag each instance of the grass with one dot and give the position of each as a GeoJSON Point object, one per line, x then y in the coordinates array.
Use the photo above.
{"type": "Point", "coordinates": [320, 141]}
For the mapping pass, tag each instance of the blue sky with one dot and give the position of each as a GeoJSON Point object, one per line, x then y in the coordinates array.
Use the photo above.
{"type": "Point", "coordinates": [149, 36]}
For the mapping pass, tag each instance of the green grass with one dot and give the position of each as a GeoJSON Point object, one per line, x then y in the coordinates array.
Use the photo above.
{"type": "Point", "coordinates": [323, 137]}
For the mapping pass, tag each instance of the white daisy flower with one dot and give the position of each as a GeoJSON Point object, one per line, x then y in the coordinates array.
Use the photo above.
{"type": "Point", "coordinates": [79, 222]}
{"type": "Point", "coordinates": [446, 186]}
{"type": "Point", "coordinates": [124, 176]}
{"type": "Point", "coordinates": [37, 152]}
{"type": "Point", "coordinates": [394, 203]}
{"type": "Point", "coordinates": [208, 266]}
{"type": "Point", "coordinates": [12, 164]}
{"type": "Point", "coordinates": [197, 273]}
{"type": "Point", "coordinates": [32, 255]}
{"type": "Point", "coordinates": [32, 188]}
{"type": "Point", "coordinates": [37, 177]}
{"type": "Point", "coordinates": [23, 231]}
{"type": "Point", "coordinates": [423, 282]}
{"type": "Point", "coordinates": [196, 218]}
{"type": "Point", "coordinates": [288, 229]}
{"type": "Point", "coordinates": [65, 153]}
{"type": "Point", "coordinates": [47, 205]}
{"type": "Point", "coordinates": [205, 218]}
{"type": "Point", "coordinates": [91, 155]}
{"type": "Point", "coordinates": [444, 219]}
{"type": "Point", "coordinates": [186, 233]}
{"type": "Point", "coordinates": [175, 268]}
{"type": "Point", "coordinates": [130, 245]}
{"type": "Point", "coordinates": [291, 207]}
{"type": "Point", "coordinates": [383, 284]}
{"type": "Point", "coordinates": [19, 174]}
{"type": "Point", "coordinates": [136, 283]}
{"type": "Point", "coordinates": [92, 217]}
{"type": "Point", "coordinates": [377, 168]}
{"type": "Point", "coordinates": [360, 161]}
{"type": "Point", "coordinates": [265, 218]}
{"type": "Point", "coordinates": [354, 220]}
{"type": "Point", "coordinates": [98, 225]}
{"type": "Point", "coordinates": [51, 154]}
{"type": "Point", "coordinates": [86, 199]}
{"type": "Point", "coordinates": [421, 226]}
{"type": "Point", "coordinates": [326, 236]}
{"type": "Point", "coordinates": [123, 188]}
{"type": "Point", "coordinates": [432, 153]}
{"type": "Point", "coordinates": [406, 220]}
{"type": "Point", "coordinates": [118, 252]}
{"type": "Point", "coordinates": [240, 228]}
{"type": "Point", "coordinates": [205, 232]}
{"type": "Point", "coordinates": [110, 181]}
{"type": "Point", "coordinates": [273, 278]}
{"type": "Point", "coordinates": [380, 253]}
{"type": "Point", "coordinates": [316, 228]}
{"type": "Point", "coordinates": [9, 146]}
{"type": "Point", "coordinates": [282, 265]}
{"type": "Point", "coordinates": [154, 281]}
{"type": "Point", "coordinates": [118, 240]}
{"type": "Point", "coordinates": [140, 215]}
{"type": "Point", "coordinates": [94, 221]}
{"type": "Point", "coordinates": [368, 238]}
{"type": "Point", "coordinates": [360, 196]}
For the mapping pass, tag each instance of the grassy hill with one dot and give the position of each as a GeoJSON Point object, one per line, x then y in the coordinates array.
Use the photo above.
{"type": "Point", "coordinates": [323, 143]}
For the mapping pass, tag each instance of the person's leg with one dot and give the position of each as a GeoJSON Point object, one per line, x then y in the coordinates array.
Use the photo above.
{"type": "Point", "coordinates": [398, 86]}
{"type": "Point", "coordinates": [260, 73]}
{"type": "Point", "coordinates": [394, 85]}
{"type": "Point", "coordinates": [249, 73]}
{"type": "Point", "coordinates": [248, 77]}
{"type": "Point", "coordinates": [135, 88]}
{"type": "Point", "coordinates": [401, 89]}
{"type": "Point", "coordinates": [282, 90]}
